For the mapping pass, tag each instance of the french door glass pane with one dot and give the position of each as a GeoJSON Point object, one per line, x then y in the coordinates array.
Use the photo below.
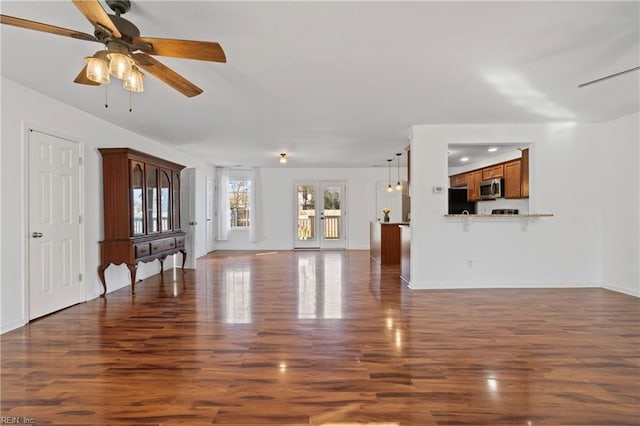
{"type": "Point", "coordinates": [306, 212]}
{"type": "Point", "coordinates": [332, 195]}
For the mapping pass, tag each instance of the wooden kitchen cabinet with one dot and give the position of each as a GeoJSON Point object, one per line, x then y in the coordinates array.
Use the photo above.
{"type": "Point", "coordinates": [524, 174]}
{"type": "Point", "coordinates": [408, 149]}
{"type": "Point", "coordinates": [473, 185]}
{"type": "Point", "coordinates": [493, 172]}
{"type": "Point", "coordinates": [456, 181]}
{"type": "Point", "coordinates": [384, 242]}
{"type": "Point", "coordinates": [141, 199]}
{"type": "Point", "coordinates": [513, 179]}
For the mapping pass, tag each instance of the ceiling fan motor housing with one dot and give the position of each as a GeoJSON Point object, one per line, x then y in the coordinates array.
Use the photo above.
{"type": "Point", "coordinates": [119, 6]}
{"type": "Point", "coordinates": [128, 31]}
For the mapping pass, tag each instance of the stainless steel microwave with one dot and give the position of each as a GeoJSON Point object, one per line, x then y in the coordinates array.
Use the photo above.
{"type": "Point", "coordinates": [491, 189]}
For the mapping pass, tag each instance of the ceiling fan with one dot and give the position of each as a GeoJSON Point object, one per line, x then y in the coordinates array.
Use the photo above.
{"type": "Point", "coordinates": [606, 77]}
{"type": "Point", "coordinates": [125, 49]}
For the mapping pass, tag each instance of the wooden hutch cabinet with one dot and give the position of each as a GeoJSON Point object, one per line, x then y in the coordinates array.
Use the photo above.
{"type": "Point", "coordinates": [141, 197]}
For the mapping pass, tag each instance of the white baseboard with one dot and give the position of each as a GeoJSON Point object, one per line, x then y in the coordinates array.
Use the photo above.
{"type": "Point", "coordinates": [622, 290]}
{"type": "Point", "coordinates": [12, 326]}
{"type": "Point", "coordinates": [466, 285]}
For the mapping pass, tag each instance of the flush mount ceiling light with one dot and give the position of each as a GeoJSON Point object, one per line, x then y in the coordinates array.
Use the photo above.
{"type": "Point", "coordinates": [398, 185]}
{"type": "Point", "coordinates": [389, 188]}
{"type": "Point", "coordinates": [283, 158]}
{"type": "Point", "coordinates": [463, 159]}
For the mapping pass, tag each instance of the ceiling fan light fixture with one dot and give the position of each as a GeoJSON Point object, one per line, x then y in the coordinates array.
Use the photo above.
{"type": "Point", "coordinates": [98, 67]}
{"type": "Point", "coordinates": [134, 81]}
{"type": "Point", "coordinates": [119, 65]}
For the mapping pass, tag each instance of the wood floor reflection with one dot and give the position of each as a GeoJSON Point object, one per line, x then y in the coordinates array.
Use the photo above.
{"type": "Point", "coordinates": [325, 338]}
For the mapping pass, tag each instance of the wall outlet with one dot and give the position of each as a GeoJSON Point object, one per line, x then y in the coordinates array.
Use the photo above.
{"type": "Point", "coordinates": [469, 263]}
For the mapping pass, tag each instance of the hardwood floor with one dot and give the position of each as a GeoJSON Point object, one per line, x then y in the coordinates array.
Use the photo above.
{"type": "Point", "coordinates": [325, 338]}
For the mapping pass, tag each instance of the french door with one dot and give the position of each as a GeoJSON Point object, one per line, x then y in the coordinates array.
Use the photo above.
{"type": "Point", "coordinates": [320, 216]}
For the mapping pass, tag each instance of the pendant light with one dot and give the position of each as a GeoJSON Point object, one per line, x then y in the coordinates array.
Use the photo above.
{"type": "Point", "coordinates": [389, 188]}
{"type": "Point", "coordinates": [399, 185]}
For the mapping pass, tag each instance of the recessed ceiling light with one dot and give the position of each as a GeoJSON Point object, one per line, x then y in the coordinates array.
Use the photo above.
{"type": "Point", "coordinates": [464, 159]}
{"type": "Point", "coordinates": [492, 149]}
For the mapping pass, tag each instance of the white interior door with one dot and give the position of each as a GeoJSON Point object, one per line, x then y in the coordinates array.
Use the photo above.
{"type": "Point", "coordinates": [320, 215]}
{"type": "Point", "coordinates": [209, 214]}
{"type": "Point", "coordinates": [188, 208]}
{"type": "Point", "coordinates": [54, 224]}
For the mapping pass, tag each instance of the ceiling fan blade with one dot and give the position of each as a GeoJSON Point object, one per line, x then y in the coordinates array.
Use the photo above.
{"type": "Point", "coordinates": [38, 26]}
{"type": "Point", "coordinates": [187, 49]}
{"type": "Point", "coordinates": [92, 10]}
{"type": "Point", "coordinates": [598, 80]}
{"type": "Point", "coordinates": [81, 78]}
{"type": "Point", "coordinates": [166, 74]}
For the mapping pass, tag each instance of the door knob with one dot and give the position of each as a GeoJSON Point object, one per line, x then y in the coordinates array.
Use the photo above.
{"type": "Point", "coordinates": [36, 234]}
{"type": "Point", "coordinates": [193, 223]}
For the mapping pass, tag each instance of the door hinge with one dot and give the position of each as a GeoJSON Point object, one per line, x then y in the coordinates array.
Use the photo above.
{"type": "Point", "coordinates": [80, 219]}
{"type": "Point", "coordinates": [80, 277]}
{"type": "Point", "coordinates": [80, 161]}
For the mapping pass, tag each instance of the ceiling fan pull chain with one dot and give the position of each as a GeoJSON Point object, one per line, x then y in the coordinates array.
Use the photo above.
{"type": "Point", "coordinates": [130, 101]}
{"type": "Point", "coordinates": [106, 96]}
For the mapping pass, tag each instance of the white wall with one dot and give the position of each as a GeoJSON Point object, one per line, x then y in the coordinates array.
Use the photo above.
{"type": "Point", "coordinates": [277, 185]}
{"type": "Point", "coordinates": [620, 150]}
{"type": "Point", "coordinates": [566, 176]}
{"type": "Point", "coordinates": [22, 107]}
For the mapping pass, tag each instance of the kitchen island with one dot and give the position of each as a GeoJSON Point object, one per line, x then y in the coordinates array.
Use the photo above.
{"type": "Point", "coordinates": [385, 242]}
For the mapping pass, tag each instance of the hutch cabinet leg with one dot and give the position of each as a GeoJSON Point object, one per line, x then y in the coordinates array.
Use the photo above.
{"type": "Point", "coordinates": [101, 270]}
{"type": "Point", "coordinates": [184, 258]}
{"type": "Point", "coordinates": [161, 260]}
{"type": "Point", "coordinates": [132, 271]}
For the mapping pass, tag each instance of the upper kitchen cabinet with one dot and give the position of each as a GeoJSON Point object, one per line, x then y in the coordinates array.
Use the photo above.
{"type": "Point", "coordinates": [493, 172]}
{"type": "Point", "coordinates": [516, 177]}
{"type": "Point", "coordinates": [524, 174]}
{"type": "Point", "coordinates": [512, 179]}
{"type": "Point", "coordinates": [473, 185]}
{"type": "Point", "coordinates": [457, 181]}
{"type": "Point", "coordinates": [408, 150]}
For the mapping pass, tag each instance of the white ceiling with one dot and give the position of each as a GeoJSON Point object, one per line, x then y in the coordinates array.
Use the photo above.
{"type": "Point", "coordinates": [339, 84]}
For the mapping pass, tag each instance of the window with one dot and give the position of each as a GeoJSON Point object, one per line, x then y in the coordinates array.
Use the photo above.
{"type": "Point", "coordinates": [239, 194]}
